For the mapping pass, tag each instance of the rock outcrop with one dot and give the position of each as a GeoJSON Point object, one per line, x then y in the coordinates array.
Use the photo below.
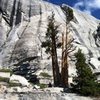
{"type": "Point", "coordinates": [23, 24]}
{"type": "Point", "coordinates": [19, 79]}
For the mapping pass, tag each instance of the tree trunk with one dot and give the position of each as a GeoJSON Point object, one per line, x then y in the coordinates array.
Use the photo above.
{"type": "Point", "coordinates": [62, 63]}
{"type": "Point", "coordinates": [64, 70]}
{"type": "Point", "coordinates": [55, 63]}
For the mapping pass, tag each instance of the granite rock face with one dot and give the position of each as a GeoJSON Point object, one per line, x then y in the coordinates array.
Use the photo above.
{"type": "Point", "coordinates": [23, 24]}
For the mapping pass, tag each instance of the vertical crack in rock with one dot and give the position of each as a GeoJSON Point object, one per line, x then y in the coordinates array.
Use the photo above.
{"type": "Point", "coordinates": [13, 13]}
{"type": "Point", "coordinates": [30, 8]}
{"type": "Point", "coordinates": [38, 29]}
{"type": "Point", "coordinates": [18, 14]}
{"type": "Point", "coordinates": [0, 6]}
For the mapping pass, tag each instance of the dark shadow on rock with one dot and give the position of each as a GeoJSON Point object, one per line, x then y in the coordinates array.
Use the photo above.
{"type": "Point", "coordinates": [24, 69]}
{"type": "Point", "coordinates": [1, 11]}
{"type": "Point", "coordinates": [13, 13]}
{"type": "Point", "coordinates": [30, 10]}
{"type": "Point", "coordinates": [18, 14]}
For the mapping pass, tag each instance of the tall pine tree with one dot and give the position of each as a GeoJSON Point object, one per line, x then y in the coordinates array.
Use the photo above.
{"type": "Point", "coordinates": [51, 43]}
{"type": "Point", "coordinates": [67, 46]}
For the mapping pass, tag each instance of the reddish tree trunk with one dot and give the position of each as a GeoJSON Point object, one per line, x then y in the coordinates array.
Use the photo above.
{"type": "Point", "coordinates": [64, 70]}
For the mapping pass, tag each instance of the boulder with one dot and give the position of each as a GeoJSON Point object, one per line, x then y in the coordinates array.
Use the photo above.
{"type": "Point", "coordinates": [19, 79]}
{"type": "Point", "coordinates": [4, 77]}
{"type": "Point", "coordinates": [5, 74]}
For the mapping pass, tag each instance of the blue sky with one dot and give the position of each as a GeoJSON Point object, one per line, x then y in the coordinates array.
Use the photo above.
{"type": "Point", "coordinates": [89, 6]}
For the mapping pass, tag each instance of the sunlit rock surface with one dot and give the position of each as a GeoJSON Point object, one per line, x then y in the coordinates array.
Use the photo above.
{"type": "Point", "coordinates": [43, 96]}
{"type": "Point", "coordinates": [23, 24]}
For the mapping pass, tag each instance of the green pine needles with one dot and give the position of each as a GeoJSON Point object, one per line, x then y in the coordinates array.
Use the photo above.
{"type": "Point", "coordinates": [51, 44]}
{"type": "Point", "coordinates": [85, 81]}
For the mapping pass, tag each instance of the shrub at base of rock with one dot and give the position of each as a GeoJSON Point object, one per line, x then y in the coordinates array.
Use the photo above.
{"type": "Point", "coordinates": [3, 79]}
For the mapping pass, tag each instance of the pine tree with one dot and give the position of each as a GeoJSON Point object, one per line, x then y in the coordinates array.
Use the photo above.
{"type": "Point", "coordinates": [85, 81]}
{"type": "Point", "coordinates": [51, 44]}
{"type": "Point", "coordinates": [66, 46]}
